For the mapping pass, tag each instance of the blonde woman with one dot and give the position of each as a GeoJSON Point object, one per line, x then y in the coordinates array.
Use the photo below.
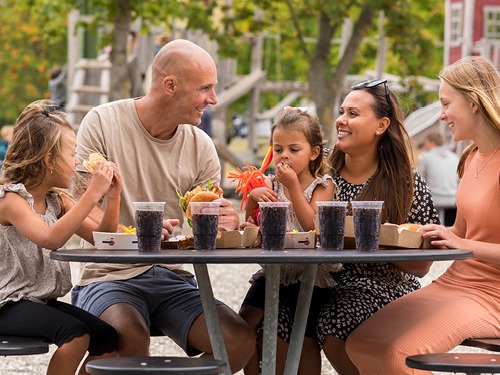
{"type": "Point", "coordinates": [465, 301]}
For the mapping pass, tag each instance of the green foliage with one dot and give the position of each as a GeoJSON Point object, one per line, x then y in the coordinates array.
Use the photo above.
{"type": "Point", "coordinates": [27, 54]}
{"type": "Point", "coordinates": [33, 37]}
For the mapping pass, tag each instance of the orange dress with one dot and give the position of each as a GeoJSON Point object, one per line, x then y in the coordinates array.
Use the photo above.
{"type": "Point", "coordinates": [463, 303]}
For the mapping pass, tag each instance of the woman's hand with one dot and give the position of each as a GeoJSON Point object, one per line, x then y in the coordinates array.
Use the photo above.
{"type": "Point", "coordinates": [442, 236]}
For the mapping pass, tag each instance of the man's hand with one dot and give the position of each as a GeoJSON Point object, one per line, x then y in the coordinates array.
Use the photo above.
{"type": "Point", "coordinates": [228, 217]}
{"type": "Point", "coordinates": [168, 228]}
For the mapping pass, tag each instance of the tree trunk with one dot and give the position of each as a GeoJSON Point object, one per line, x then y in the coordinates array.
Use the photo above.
{"type": "Point", "coordinates": [326, 92]}
{"type": "Point", "coordinates": [120, 78]}
{"type": "Point", "coordinates": [319, 74]}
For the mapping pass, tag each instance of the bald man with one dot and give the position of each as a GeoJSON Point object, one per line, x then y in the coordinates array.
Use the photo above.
{"type": "Point", "coordinates": [155, 142]}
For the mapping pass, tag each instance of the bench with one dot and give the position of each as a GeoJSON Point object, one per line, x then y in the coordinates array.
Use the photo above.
{"type": "Point", "coordinates": [155, 365]}
{"type": "Point", "coordinates": [18, 345]}
{"type": "Point", "coordinates": [469, 363]}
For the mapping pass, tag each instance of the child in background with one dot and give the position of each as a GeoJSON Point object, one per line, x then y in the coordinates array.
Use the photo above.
{"type": "Point", "coordinates": [37, 216]}
{"type": "Point", "coordinates": [301, 178]}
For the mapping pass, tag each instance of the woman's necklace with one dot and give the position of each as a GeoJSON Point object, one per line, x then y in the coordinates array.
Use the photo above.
{"type": "Point", "coordinates": [484, 165]}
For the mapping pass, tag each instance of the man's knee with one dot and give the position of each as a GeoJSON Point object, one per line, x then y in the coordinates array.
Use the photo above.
{"type": "Point", "coordinates": [238, 334]}
{"type": "Point", "coordinates": [132, 329]}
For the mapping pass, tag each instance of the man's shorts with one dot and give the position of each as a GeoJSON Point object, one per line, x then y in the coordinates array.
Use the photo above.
{"type": "Point", "coordinates": [168, 302]}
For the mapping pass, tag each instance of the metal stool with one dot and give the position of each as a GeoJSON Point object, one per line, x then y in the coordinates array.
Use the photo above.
{"type": "Point", "coordinates": [155, 365]}
{"type": "Point", "coordinates": [17, 345]}
{"type": "Point", "coordinates": [469, 363]}
{"type": "Point", "coordinates": [491, 344]}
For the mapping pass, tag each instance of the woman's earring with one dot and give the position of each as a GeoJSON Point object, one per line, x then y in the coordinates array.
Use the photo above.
{"type": "Point", "coordinates": [51, 171]}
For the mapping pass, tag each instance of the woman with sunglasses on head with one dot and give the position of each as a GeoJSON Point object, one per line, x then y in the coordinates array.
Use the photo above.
{"type": "Point", "coordinates": [464, 302]}
{"type": "Point", "coordinates": [372, 161]}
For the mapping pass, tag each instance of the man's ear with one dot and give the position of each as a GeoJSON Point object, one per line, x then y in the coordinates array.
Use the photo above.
{"type": "Point", "coordinates": [169, 84]}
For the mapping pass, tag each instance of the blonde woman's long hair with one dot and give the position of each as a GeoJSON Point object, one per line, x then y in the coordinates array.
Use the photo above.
{"type": "Point", "coordinates": [476, 78]}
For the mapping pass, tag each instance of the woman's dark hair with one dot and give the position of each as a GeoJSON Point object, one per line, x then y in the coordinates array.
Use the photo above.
{"type": "Point", "coordinates": [392, 181]}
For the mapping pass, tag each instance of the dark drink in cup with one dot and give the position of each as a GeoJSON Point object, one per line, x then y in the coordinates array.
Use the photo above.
{"type": "Point", "coordinates": [205, 220]}
{"type": "Point", "coordinates": [367, 218]}
{"type": "Point", "coordinates": [331, 216]}
{"type": "Point", "coordinates": [205, 231]}
{"type": "Point", "coordinates": [273, 224]}
{"type": "Point", "coordinates": [149, 223]}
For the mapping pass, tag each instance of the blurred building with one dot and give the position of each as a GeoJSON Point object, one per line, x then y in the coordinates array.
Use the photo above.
{"type": "Point", "coordinates": [472, 27]}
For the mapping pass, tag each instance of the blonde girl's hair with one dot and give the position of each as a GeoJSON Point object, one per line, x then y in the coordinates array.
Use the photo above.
{"type": "Point", "coordinates": [37, 132]}
{"type": "Point", "coordinates": [296, 119]}
{"type": "Point", "coordinates": [476, 78]}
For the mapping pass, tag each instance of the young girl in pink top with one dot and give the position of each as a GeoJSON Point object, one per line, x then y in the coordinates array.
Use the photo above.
{"type": "Point", "coordinates": [465, 301]}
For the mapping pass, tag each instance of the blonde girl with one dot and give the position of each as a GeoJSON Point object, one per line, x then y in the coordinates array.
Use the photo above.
{"type": "Point", "coordinates": [38, 216]}
{"type": "Point", "coordinates": [464, 302]}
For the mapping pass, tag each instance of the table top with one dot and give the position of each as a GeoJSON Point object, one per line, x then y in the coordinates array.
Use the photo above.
{"type": "Point", "coordinates": [259, 256]}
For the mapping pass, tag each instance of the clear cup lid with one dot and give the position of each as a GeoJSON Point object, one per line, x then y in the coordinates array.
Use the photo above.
{"type": "Point", "coordinates": [149, 206]}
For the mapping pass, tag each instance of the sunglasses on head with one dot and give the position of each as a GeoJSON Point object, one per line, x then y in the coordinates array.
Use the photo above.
{"type": "Point", "coordinates": [369, 84]}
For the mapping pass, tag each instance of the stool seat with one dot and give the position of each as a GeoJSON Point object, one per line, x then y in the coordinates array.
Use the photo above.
{"type": "Point", "coordinates": [456, 362]}
{"type": "Point", "coordinates": [18, 345]}
{"type": "Point", "coordinates": [491, 344]}
{"type": "Point", "coordinates": [155, 365]}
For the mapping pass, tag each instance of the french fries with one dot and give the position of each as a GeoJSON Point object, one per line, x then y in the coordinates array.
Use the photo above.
{"type": "Point", "coordinates": [129, 230]}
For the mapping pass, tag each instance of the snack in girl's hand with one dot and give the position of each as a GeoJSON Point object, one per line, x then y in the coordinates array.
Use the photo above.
{"type": "Point", "coordinates": [91, 162]}
{"type": "Point", "coordinates": [207, 193]}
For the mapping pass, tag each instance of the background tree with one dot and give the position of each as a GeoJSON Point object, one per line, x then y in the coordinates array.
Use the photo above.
{"type": "Point", "coordinates": [26, 55]}
{"type": "Point", "coordinates": [414, 30]}
{"type": "Point", "coordinates": [304, 36]}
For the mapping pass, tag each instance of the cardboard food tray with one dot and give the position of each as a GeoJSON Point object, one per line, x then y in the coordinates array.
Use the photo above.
{"type": "Point", "coordinates": [300, 240]}
{"type": "Point", "coordinates": [390, 236]}
{"type": "Point", "coordinates": [114, 241]}
{"type": "Point", "coordinates": [232, 239]}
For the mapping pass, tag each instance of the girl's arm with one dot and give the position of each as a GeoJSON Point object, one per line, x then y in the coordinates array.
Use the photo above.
{"type": "Point", "coordinates": [16, 211]}
{"type": "Point", "coordinates": [110, 218]}
{"type": "Point", "coordinates": [304, 210]}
